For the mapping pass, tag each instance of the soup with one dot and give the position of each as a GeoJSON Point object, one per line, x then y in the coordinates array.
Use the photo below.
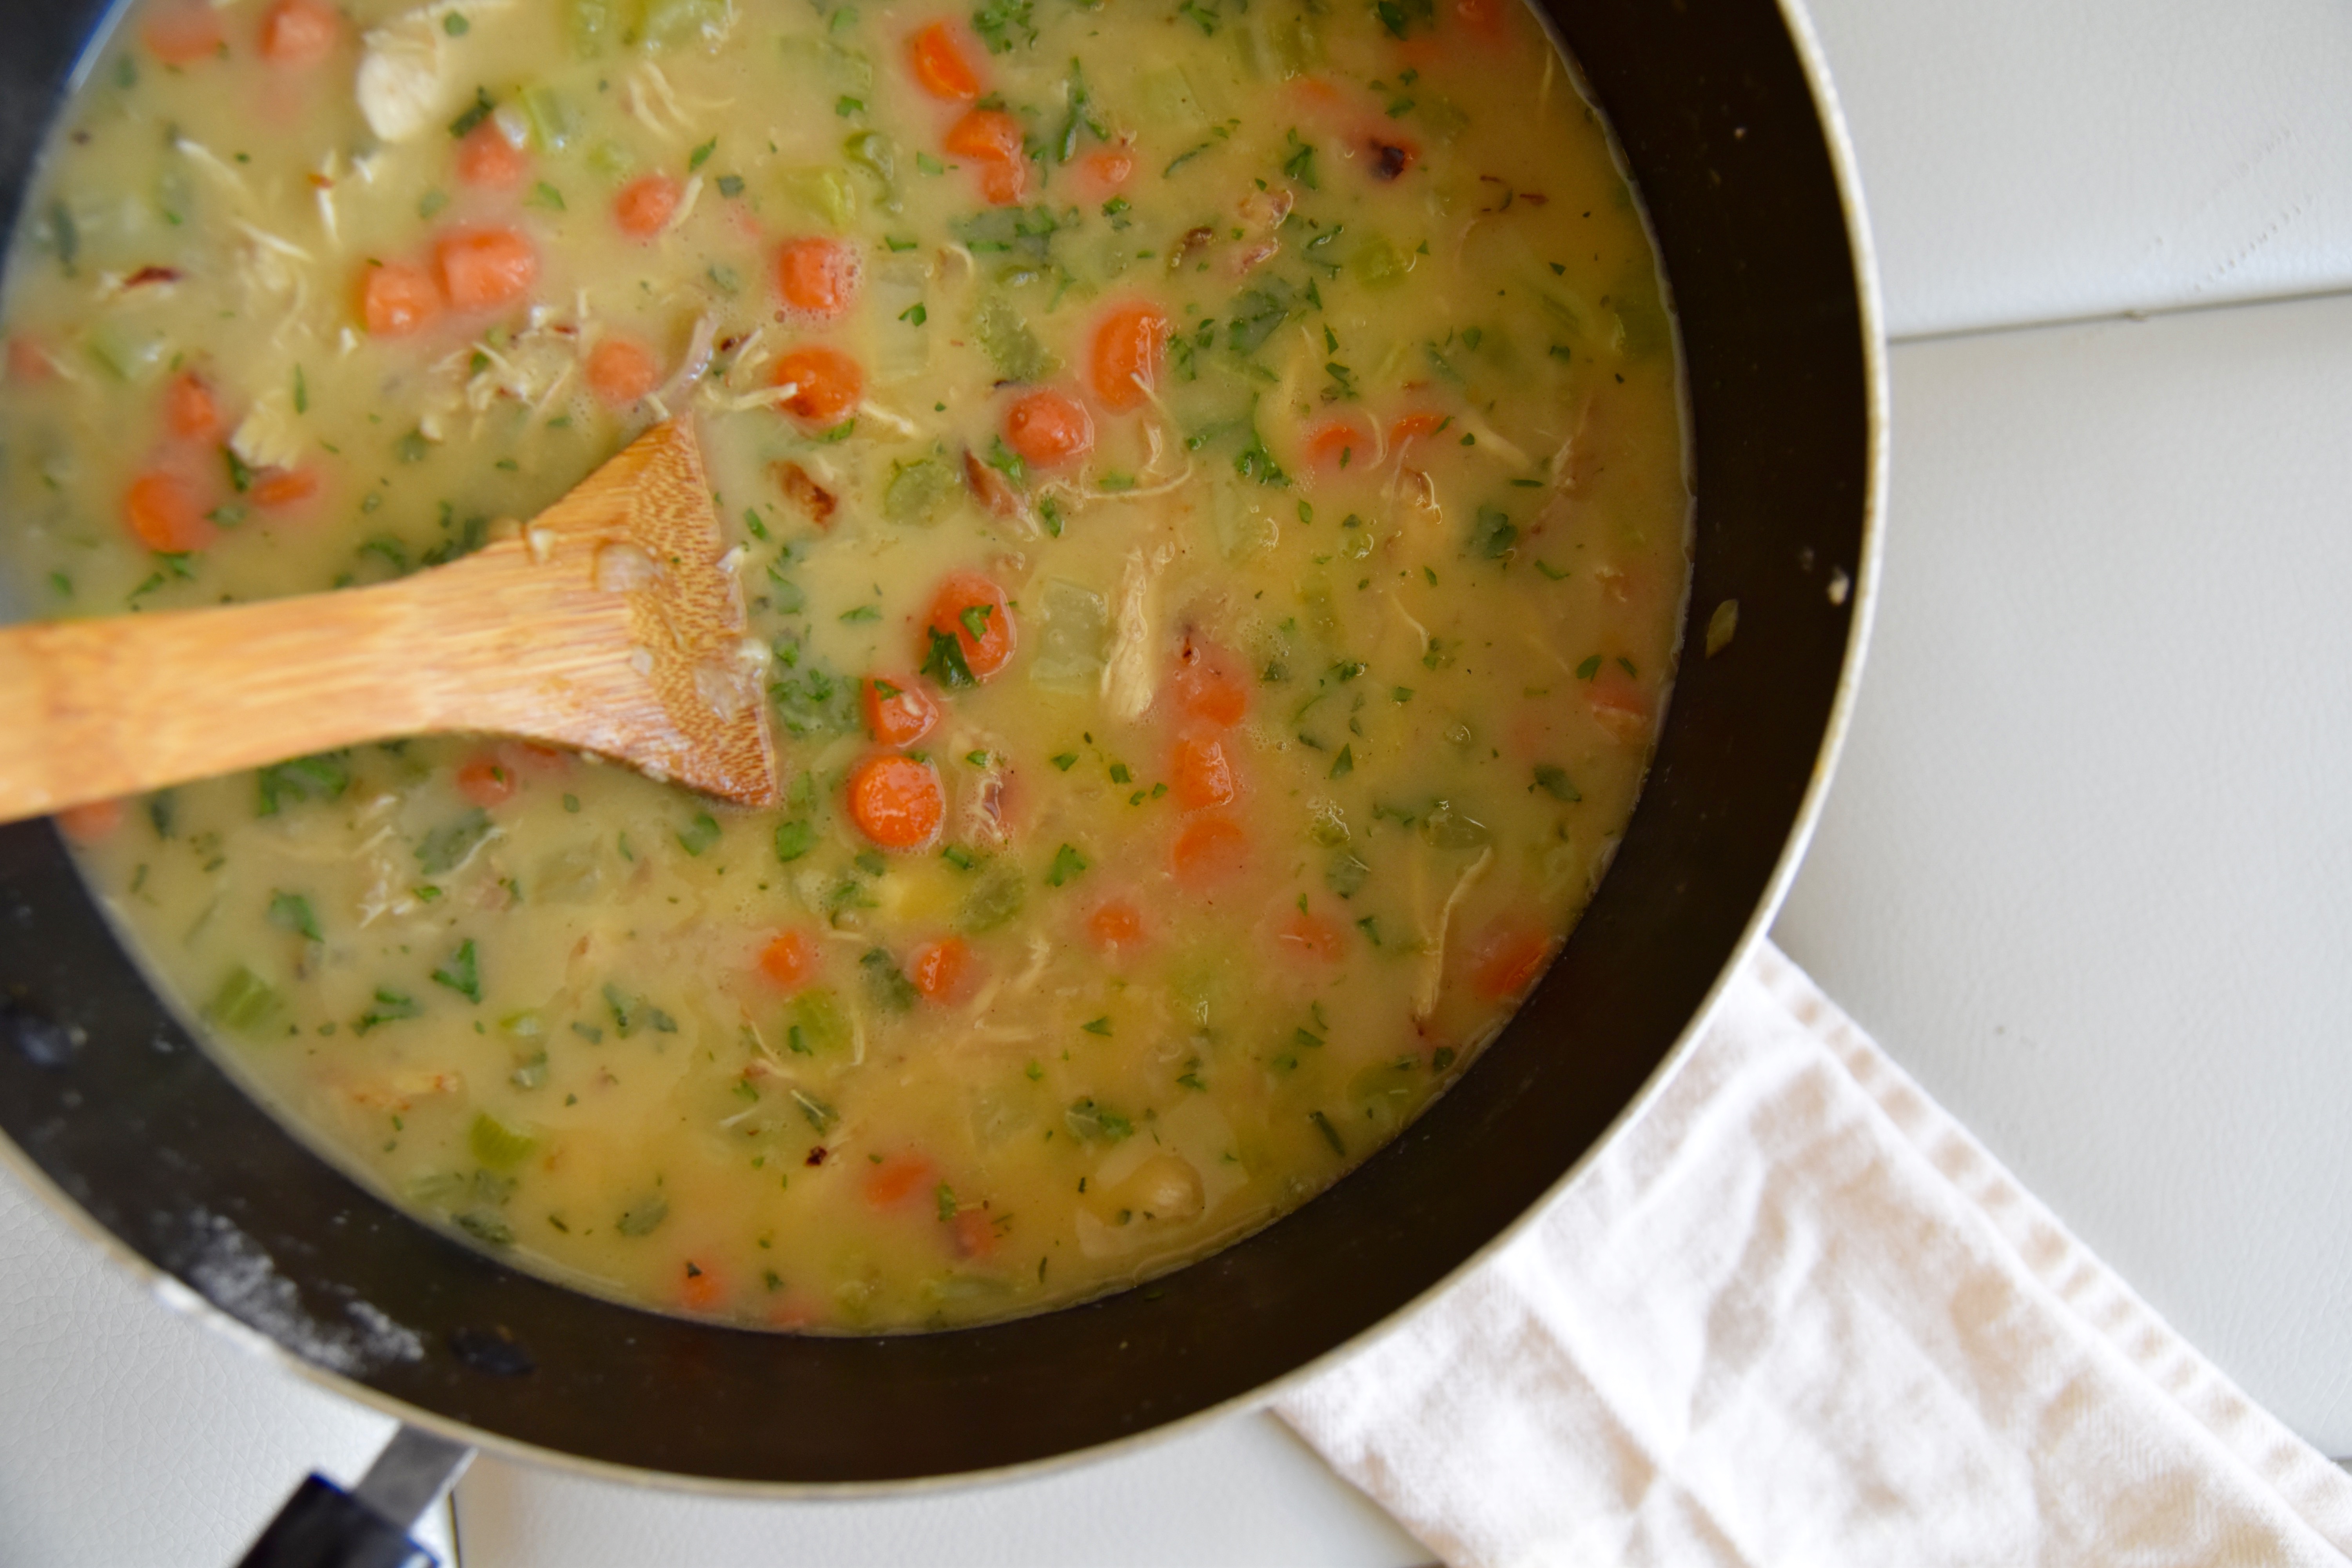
{"type": "Point", "coordinates": [1209, 482]}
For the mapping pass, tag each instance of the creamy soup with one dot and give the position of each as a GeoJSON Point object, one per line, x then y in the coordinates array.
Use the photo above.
{"type": "Point", "coordinates": [1210, 480]}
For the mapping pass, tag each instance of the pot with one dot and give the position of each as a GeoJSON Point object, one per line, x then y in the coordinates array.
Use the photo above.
{"type": "Point", "coordinates": [109, 1106]}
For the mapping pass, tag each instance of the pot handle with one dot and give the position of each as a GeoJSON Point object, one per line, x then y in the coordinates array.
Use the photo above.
{"type": "Point", "coordinates": [323, 1526]}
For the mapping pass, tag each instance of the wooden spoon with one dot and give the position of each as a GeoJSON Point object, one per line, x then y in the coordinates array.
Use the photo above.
{"type": "Point", "coordinates": [612, 623]}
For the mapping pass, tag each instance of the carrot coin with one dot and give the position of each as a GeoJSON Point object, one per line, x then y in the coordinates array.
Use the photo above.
{"type": "Point", "coordinates": [939, 968]}
{"type": "Point", "coordinates": [975, 1235]}
{"type": "Point", "coordinates": [701, 1291]}
{"type": "Point", "coordinates": [189, 410]}
{"type": "Point", "coordinates": [1109, 168]}
{"type": "Point", "coordinates": [622, 370]}
{"type": "Point", "coordinates": [1049, 429]}
{"type": "Point", "coordinates": [895, 801]}
{"type": "Point", "coordinates": [279, 488]}
{"type": "Point", "coordinates": [485, 268]}
{"type": "Point", "coordinates": [645, 205]}
{"type": "Point", "coordinates": [898, 1178]}
{"type": "Point", "coordinates": [183, 32]}
{"type": "Point", "coordinates": [486, 158]}
{"type": "Point", "coordinates": [1203, 774]}
{"type": "Point", "coordinates": [1412, 426]}
{"type": "Point", "coordinates": [1210, 852]}
{"type": "Point", "coordinates": [88, 823]}
{"type": "Point", "coordinates": [972, 609]}
{"type": "Point", "coordinates": [898, 713]}
{"type": "Point", "coordinates": [940, 68]}
{"type": "Point", "coordinates": [300, 32]}
{"type": "Point", "coordinates": [819, 276]}
{"type": "Point", "coordinates": [1128, 350]}
{"type": "Point", "coordinates": [1305, 935]}
{"type": "Point", "coordinates": [1337, 444]}
{"type": "Point", "coordinates": [1210, 685]}
{"type": "Point", "coordinates": [990, 139]}
{"type": "Point", "coordinates": [826, 385]}
{"type": "Point", "coordinates": [793, 959]}
{"type": "Point", "coordinates": [485, 781]}
{"type": "Point", "coordinates": [164, 514]}
{"type": "Point", "coordinates": [396, 299]}
{"type": "Point", "coordinates": [1116, 926]}
{"type": "Point", "coordinates": [1508, 957]}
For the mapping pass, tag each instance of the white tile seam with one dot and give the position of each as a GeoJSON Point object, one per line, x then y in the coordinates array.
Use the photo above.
{"type": "Point", "coordinates": [2036, 324]}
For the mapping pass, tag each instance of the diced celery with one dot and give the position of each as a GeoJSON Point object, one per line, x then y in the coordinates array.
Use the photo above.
{"type": "Point", "coordinates": [1006, 338]}
{"type": "Point", "coordinates": [995, 900]}
{"type": "Point", "coordinates": [1166, 99]}
{"type": "Point", "coordinates": [871, 151]}
{"type": "Point", "coordinates": [611, 159]}
{"type": "Point", "coordinates": [816, 1023]}
{"type": "Point", "coordinates": [827, 194]}
{"type": "Point", "coordinates": [1244, 527]}
{"type": "Point", "coordinates": [1377, 264]}
{"type": "Point", "coordinates": [243, 1000]}
{"type": "Point", "coordinates": [1295, 42]}
{"type": "Point", "coordinates": [916, 489]}
{"type": "Point", "coordinates": [497, 1145]}
{"type": "Point", "coordinates": [1076, 620]}
{"type": "Point", "coordinates": [129, 353]}
{"type": "Point", "coordinates": [555, 119]}
{"type": "Point", "coordinates": [678, 23]}
{"type": "Point", "coordinates": [595, 26]}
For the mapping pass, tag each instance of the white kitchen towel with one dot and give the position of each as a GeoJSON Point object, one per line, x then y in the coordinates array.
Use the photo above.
{"type": "Point", "coordinates": [1794, 1313]}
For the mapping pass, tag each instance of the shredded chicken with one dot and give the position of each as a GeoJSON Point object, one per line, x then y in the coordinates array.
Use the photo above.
{"type": "Point", "coordinates": [1432, 961]}
{"type": "Point", "coordinates": [268, 436]}
{"type": "Point", "coordinates": [1128, 674]}
{"type": "Point", "coordinates": [408, 78]}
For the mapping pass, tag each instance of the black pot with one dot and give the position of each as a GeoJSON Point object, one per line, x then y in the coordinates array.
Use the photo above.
{"type": "Point", "coordinates": [104, 1094]}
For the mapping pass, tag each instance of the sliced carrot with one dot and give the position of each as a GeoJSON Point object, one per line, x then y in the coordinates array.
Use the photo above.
{"type": "Point", "coordinates": [1210, 685]}
{"type": "Point", "coordinates": [164, 514]}
{"type": "Point", "coordinates": [485, 268]}
{"type": "Point", "coordinates": [941, 66]}
{"type": "Point", "coordinates": [700, 1291]}
{"type": "Point", "coordinates": [1620, 703]}
{"type": "Point", "coordinates": [1507, 956]}
{"type": "Point", "coordinates": [898, 1178]}
{"type": "Point", "coordinates": [183, 32]}
{"type": "Point", "coordinates": [1116, 926]}
{"type": "Point", "coordinates": [300, 32]}
{"type": "Point", "coordinates": [88, 824]}
{"type": "Point", "coordinates": [973, 1236]}
{"type": "Point", "coordinates": [990, 139]}
{"type": "Point", "coordinates": [29, 364]}
{"type": "Point", "coordinates": [897, 712]}
{"type": "Point", "coordinates": [621, 370]}
{"type": "Point", "coordinates": [941, 968]}
{"type": "Point", "coordinates": [1210, 852]}
{"type": "Point", "coordinates": [819, 276]}
{"type": "Point", "coordinates": [827, 385]}
{"type": "Point", "coordinates": [530, 757]}
{"type": "Point", "coordinates": [647, 203]}
{"type": "Point", "coordinates": [1128, 350]}
{"type": "Point", "coordinates": [895, 801]}
{"type": "Point", "coordinates": [1306, 935]}
{"type": "Point", "coordinates": [279, 488]}
{"type": "Point", "coordinates": [1485, 16]}
{"type": "Point", "coordinates": [793, 959]}
{"type": "Point", "coordinates": [486, 158]}
{"type": "Point", "coordinates": [485, 780]}
{"type": "Point", "coordinates": [189, 410]}
{"type": "Point", "coordinates": [396, 299]}
{"type": "Point", "coordinates": [967, 601]}
{"type": "Point", "coordinates": [1412, 426]}
{"type": "Point", "coordinates": [1049, 429]}
{"type": "Point", "coordinates": [1201, 772]}
{"type": "Point", "coordinates": [1339, 444]}
{"type": "Point", "coordinates": [1109, 168]}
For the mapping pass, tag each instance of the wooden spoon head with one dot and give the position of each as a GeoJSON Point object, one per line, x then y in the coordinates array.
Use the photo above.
{"type": "Point", "coordinates": [655, 666]}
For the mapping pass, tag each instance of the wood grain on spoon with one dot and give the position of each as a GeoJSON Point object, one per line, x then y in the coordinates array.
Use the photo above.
{"type": "Point", "coordinates": [612, 623]}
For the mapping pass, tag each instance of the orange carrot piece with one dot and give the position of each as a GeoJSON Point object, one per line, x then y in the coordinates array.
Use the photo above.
{"type": "Point", "coordinates": [1210, 852]}
{"type": "Point", "coordinates": [1508, 957]}
{"type": "Point", "coordinates": [183, 32]}
{"type": "Point", "coordinates": [621, 370]}
{"type": "Point", "coordinates": [827, 385]}
{"type": "Point", "coordinates": [485, 268]}
{"type": "Point", "coordinates": [818, 276]}
{"type": "Point", "coordinates": [164, 514]}
{"type": "Point", "coordinates": [941, 66]}
{"type": "Point", "coordinates": [990, 139]}
{"type": "Point", "coordinates": [1109, 168]}
{"type": "Point", "coordinates": [1201, 774]}
{"type": "Point", "coordinates": [396, 299]}
{"type": "Point", "coordinates": [1305, 935]}
{"type": "Point", "coordinates": [277, 489]}
{"type": "Point", "coordinates": [966, 600]}
{"type": "Point", "coordinates": [793, 959]}
{"type": "Point", "coordinates": [299, 34]}
{"type": "Point", "coordinates": [897, 712]}
{"type": "Point", "coordinates": [1210, 685]}
{"type": "Point", "coordinates": [91, 822]}
{"type": "Point", "coordinates": [895, 801]}
{"type": "Point", "coordinates": [1337, 444]}
{"type": "Point", "coordinates": [700, 1291]}
{"type": "Point", "coordinates": [973, 1236]}
{"type": "Point", "coordinates": [898, 1178]}
{"type": "Point", "coordinates": [485, 780]}
{"type": "Point", "coordinates": [1128, 350]}
{"type": "Point", "coordinates": [941, 968]}
{"type": "Point", "coordinates": [486, 158]}
{"type": "Point", "coordinates": [1116, 926]}
{"type": "Point", "coordinates": [29, 364]}
{"type": "Point", "coordinates": [1049, 429]}
{"type": "Point", "coordinates": [1412, 426]}
{"type": "Point", "coordinates": [189, 409]}
{"type": "Point", "coordinates": [1620, 703]}
{"type": "Point", "coordinates": [1483, 17]}
{"type": "Point", "coordinates": [647, 203]}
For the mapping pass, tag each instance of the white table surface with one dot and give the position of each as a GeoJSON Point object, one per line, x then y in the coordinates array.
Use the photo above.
{"type": "Point", "coordinates": [2086, 872]}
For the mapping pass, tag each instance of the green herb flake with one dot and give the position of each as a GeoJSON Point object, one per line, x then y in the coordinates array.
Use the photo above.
{"type": "Point", "coordinates": [390, 1006]}
{"type": "Point", "coordinates": [1554, 781]}
{"type": "Point", "coordinates": [291, 912]}
{"type": "Point", "coordinates": [1068, 863]}
{"type": "Point", "coordinates": [1064, 761]}
{"type": "Point", "coordinates": [1344, 763]}
{"type": "Point", "coordinates": [698, 834]}
{"type": "Point", "coordinates": [1098, 1026]}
